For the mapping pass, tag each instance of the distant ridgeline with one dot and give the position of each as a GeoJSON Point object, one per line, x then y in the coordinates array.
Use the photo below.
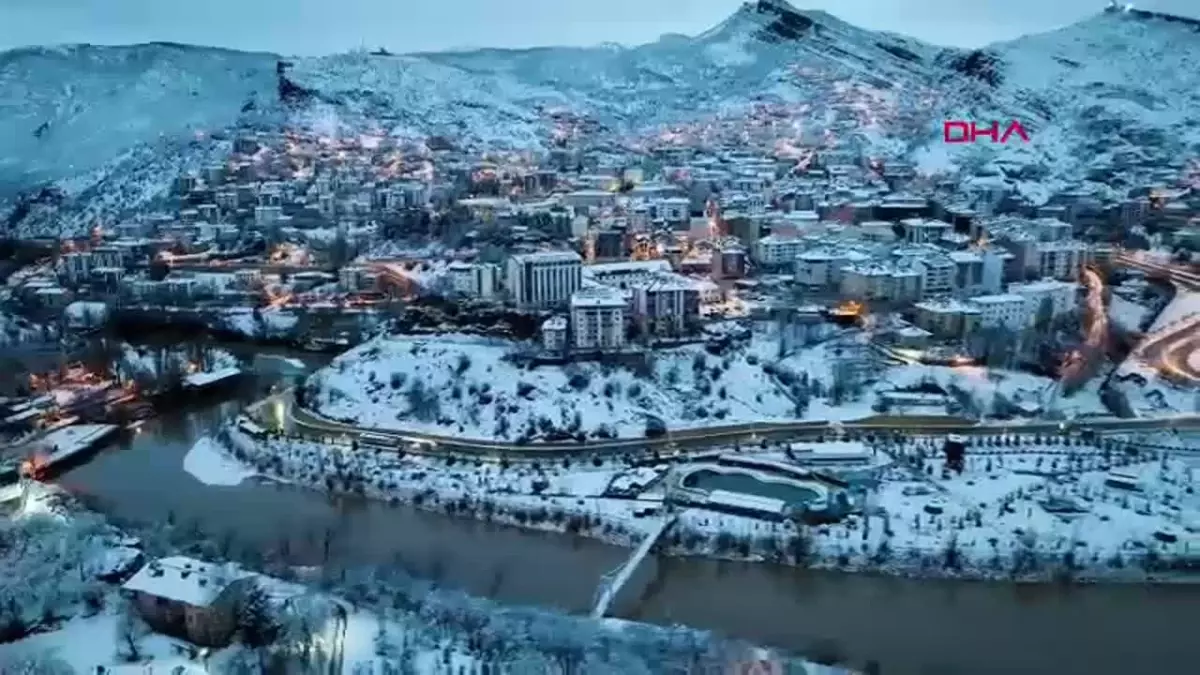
{"type": "Point", "coordinates": [1116, 8]}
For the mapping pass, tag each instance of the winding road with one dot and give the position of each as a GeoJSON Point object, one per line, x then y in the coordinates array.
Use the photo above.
{"type": "Point", "coordinates": [1173, 348]}
{"type": "Point", "coordinates": [307, 423]}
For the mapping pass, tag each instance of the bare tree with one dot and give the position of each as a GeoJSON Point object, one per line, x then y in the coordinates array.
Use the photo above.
{"type": "Point", "coordinates": [130, 630]}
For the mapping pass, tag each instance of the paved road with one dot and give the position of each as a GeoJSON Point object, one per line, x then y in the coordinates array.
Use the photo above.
{"type": "Point", "coordinates": [694, 440]}
{"type": "Point", "coordinates": [1170, 350]}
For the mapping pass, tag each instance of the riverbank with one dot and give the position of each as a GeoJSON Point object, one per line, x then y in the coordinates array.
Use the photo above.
{"type": "Point", "coordinates": [1023, 512]}
{"type": "Point", "coordinates": [62, 600]}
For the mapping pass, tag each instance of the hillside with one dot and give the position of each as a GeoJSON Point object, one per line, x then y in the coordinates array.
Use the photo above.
{"type": "Point", "coordinates": [1109, 101]}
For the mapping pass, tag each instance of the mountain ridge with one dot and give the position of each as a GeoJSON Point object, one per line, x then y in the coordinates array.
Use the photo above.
{"type": "Point", "coordinates": [1116, 87]}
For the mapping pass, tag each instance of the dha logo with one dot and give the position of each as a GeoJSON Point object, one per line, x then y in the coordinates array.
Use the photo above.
{"type": "Point", "coordinates": [962, 131]}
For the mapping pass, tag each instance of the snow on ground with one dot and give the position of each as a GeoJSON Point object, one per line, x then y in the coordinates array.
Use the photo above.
{"type": "Point", "coordinates": [472, 387]}
{"type": "Point", "coordinates": [1004, 492]}
{"type": "Point", "coordinates": [208, 463]}
{"type": "Point", "coordinates": [141, 361]}
{"type": "Point", "coordinates": [1183, 307]}
{"type": "Point", "coordinates": [72, 622]}
{"type": "Point", "coordinates": [266, 323]}
{"type": "Point", "coordinates": [548, 496]}
{"type": "Point", "coordinates": [454, 384]}
{"type": "Point", "coordinates": [1142, 384]}
{"type": "Point", "coordinates": [84, 644]}
{"type": "Point", "coordinates": [1126, 314]}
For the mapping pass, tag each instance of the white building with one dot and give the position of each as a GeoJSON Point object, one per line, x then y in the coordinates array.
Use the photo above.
{"type": "Point", "coordinates": [1061, 259]}
{"type": "Point", "coordinates": [773, 250]}
{"type": "Point", "coordinates": [921, 231]}
{"type": "Point", "coordinates": [1006, 310]}
{"type": "Point", "coordinates": [544, 279]}
{"type": "Point", "coordinates": [666, 305]}
{"type": "Point", "coordinates": [674, 209]}
{"type": "Point", "coordinates": [867, 281]}
{"type": "Point", "coordinates": [597, 319]}
{"type": "Point", "coordinates": [265, 216]}
{"type": "Point", "coordinates": [1061, 294]}
{"type": "Point", "coordinates": [822, 267]}
{"type": "Point", "coordinates": [477, 280]}
{"type": "Point", "coordinates": [937, 276]}
{"type": "Point", "coordinates": [977, 272]}
{"type": "Point", "coordinates": [554, 334]}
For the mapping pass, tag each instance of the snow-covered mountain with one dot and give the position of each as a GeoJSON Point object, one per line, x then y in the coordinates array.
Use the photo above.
{"type": "Point", "coordinates": [69, 110]}
{"type": "Point", "coordinates": [1108, 99]}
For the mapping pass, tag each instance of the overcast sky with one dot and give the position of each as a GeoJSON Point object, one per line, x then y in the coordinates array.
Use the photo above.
{"type": "Point", "coordinates": [305, 27]}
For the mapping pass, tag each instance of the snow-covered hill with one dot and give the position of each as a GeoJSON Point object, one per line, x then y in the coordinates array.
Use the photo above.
{"type": "Point", "coordinates": [1107, 99]}
{"type": "Point", "coordinates": [69, 110]}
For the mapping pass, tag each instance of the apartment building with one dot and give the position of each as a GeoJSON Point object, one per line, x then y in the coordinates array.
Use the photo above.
{"type": "Point", "coordinates": [666, 305]}
{"type": "Point", "coordinates": [476, 280]}
{"type": "Point", "coordinates": [1061, 259]}
{"type": "Point", "coordinates": [921, 231]}
{"type": "Point", "coordinates": [947, 318]}
{"type": "Point", "coordinates": [1062, 295]}
{"type": "Point", "coordinates": [597, 319]}
{"type": "Point", "coordinates": [543, 280]}
{"type": "Point", "coordinates": [1003, 310]}
{"type": "Point", "coordinates": [774, 250]}
{"type": "Point", "coordinates": [937, 275]}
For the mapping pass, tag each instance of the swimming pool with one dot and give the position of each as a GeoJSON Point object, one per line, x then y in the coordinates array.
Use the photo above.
{"type": "Point", "coordinates": [734, 480]}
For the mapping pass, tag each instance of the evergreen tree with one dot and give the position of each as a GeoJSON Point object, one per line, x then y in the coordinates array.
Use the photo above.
{"type": "Point", "coordinates": [257, 624]}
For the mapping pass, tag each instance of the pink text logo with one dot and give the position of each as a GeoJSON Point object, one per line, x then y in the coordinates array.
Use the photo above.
{"type": "Point", "coordinates": [961, 131]}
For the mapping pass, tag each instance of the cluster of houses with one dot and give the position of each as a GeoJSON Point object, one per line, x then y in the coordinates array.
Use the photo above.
{"type": "Point", "coordinates": [611, 252]}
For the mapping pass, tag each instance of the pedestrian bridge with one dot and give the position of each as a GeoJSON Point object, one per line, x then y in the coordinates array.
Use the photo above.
{"type": "Point", "coordinates": [611, 583]}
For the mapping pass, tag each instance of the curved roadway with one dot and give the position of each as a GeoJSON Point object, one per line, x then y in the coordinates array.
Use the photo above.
{"type": "Point", "coordinates": [308, 423]}
{"type": "Point", "coordinates": [1171, 349]}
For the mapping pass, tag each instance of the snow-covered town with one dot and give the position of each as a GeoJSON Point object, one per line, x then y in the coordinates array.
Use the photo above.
{"type": "Point", "coordinates": [494, 360]}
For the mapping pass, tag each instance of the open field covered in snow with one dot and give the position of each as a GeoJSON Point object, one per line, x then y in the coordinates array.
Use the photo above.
{"type": "Point", "coordinates": [477, 388]}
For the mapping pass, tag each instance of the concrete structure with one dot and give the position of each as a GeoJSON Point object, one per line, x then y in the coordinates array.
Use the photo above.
{"type": "Point", "coordinates": [666, 305]}
{"type": "Point", "coordinates": [774, 250]}
{"type": "Point", "coordinates": [921, 231]}
{"type": "Point", "coordinates": [476, 280]}
{"type": "Point", "coordinates": [597, 319]}
{"type": "Point", "coordinates": [554, 334]}
{"type": "Point", "coordinates": [545, 279]}
{"type": "Point", "coordinates": [1060, 294]}
{"type": "Point", "coordinates": [1007, 310]}
{"type": "Point", "coordinates": [1061, 259]}
{"type": "Point", "coordinates": [947, 318]}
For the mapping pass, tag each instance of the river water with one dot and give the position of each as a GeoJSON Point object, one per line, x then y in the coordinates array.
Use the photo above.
{"type": "Point", "coordinates": [908, 627]}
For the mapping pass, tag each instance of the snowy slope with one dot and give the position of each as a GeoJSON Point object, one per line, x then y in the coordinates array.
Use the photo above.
{"type": "Point", "coordinates": [69, 110]}
{"type": "Point", "coordinates": [754, 55]}
{"type": "Point", "coordinates": [1108, 99]}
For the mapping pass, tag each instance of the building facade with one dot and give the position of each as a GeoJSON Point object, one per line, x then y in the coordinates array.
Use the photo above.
{"type": "Point", "coordinates": [545, 279]}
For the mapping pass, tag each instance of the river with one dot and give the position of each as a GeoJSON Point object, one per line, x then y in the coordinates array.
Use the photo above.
{"type": "Point", "coordinates": [908, 627]}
